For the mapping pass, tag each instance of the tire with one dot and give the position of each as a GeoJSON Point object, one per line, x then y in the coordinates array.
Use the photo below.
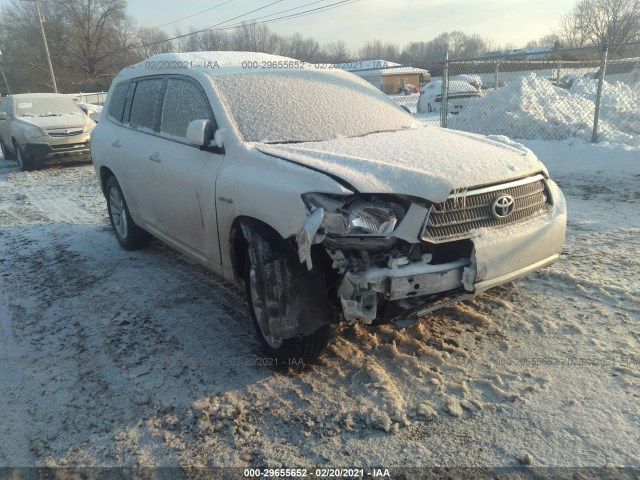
{"type": "Point", "coordinates": [296, 284]}
{"type": "Point", "coordinates": [24, 164]}
{"type": "Point", "coordinates": [6, 153]}
{"type": "Point", "coordinates": [129, 235]}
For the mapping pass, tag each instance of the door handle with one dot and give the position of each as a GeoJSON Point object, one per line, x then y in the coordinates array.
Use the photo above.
{"type": "Point", "coordinates": [155, 157]}
{"type": "Point", "coordinates": [116, 144]}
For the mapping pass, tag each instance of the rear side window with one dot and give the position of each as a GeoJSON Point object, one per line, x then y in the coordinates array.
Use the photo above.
{"type": "Point", "coordinates": [117, 101]}
{"type": "Point", "coordinates": [145, 103]}
{"type": "Point", "coordinates": [184, 101]}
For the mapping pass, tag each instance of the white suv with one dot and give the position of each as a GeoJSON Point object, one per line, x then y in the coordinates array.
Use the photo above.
{"type": "Point", "coordinates": [316, 192]}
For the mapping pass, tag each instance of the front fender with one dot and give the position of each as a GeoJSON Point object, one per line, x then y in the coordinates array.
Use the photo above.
{"type": "Point", "coordinates": [252, 184]}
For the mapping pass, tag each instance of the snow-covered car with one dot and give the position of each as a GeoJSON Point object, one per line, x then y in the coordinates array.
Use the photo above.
{"type": "Point", "coordinates": [91, 110]}
{"type": "Point", "coordinates": [458, 95]}
{"type": "Point", "coordinates": [40, 128]}
{"type": "Point", "coordinates": [318, 193]}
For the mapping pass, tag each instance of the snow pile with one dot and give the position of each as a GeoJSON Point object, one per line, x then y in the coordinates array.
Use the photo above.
{"type": "Point", "coordinates": [532, 108]}
{"type": "Point", "coordinates": [475, 80]}
{"type": "Point", "coordinates": [620, 104]}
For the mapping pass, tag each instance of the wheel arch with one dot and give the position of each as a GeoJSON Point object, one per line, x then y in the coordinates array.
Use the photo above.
{"type": "Point", "coordinates": [105, 173]}
{"type": "Point", "coordinates": [239, 235]}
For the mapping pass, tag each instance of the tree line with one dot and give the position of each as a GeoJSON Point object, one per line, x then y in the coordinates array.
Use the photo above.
{"type": "Point", "coordinates": [91, 40]}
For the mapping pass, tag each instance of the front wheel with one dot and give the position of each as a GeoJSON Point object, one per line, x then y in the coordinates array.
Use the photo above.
{"type": "Point", "coordinates": [23, 163]}
{"type": "Point", "coordinates": [283, 294]}
{"type": "Point", "coordinates": [129, 235]}
{"type": "Point", "coordinates": [6, 153]}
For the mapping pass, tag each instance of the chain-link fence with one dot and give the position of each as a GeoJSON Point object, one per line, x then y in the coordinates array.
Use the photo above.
{"type": "Point", "coordinates": [588, 93]}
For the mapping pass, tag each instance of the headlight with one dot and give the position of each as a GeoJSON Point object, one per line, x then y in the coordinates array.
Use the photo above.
{"type": "Point", "coordinates": [349, 216]}
{"type": "Point", "coordinates": [33, 133]}
{"type": "Point", "coordinates": [368, 217]}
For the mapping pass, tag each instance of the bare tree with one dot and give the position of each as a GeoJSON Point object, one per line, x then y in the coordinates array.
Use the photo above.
{"type": "Point", "coordinates": [153, 41]}
{"type": "Point", "coordinates": [253, 37]}
{"type": "Point", "coordinates": [600, 22]}
{"type": "Point", "coordinates": [89, 26]}
{"type": "Point", "coordinates": [336, 52]}
{"type": "Point", "coordinates": [298, 47]}
{"type": "Point", "coordinates": [379, 50]}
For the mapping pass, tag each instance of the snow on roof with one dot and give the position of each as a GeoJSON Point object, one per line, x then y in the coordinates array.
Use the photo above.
{"type": "Point", "coordinates": [208, 62]}
{"type": "Point", "coordinates": [223, 59]}
{"type": "Point", "coordinates": [367, 68]}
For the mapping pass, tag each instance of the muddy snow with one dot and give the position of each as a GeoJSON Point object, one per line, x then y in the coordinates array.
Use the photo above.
{"type": "Point", "coordinates": [118, 358]}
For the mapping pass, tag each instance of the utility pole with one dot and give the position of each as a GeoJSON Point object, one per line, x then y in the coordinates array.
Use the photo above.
{"type": "Point", "coordinates": [4, 79]}
{"type": "Point", "coordinates": [46, 47]}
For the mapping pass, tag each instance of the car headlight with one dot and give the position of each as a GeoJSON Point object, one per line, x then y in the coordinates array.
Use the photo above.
{"type": "Point", "coordinates": [34, 134]}
{"type": "Point", "coordinates": [355, 216]}
{"type": "Point", "coordinates": [368, 217]}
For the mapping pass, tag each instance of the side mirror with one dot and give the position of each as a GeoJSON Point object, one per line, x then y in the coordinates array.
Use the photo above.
{"type": "Point", "coordinates": [199, 132]}
{"type": "Point", "coordinates": [3, 116]}
{"type": "Point", "coordinates": [90, 112]}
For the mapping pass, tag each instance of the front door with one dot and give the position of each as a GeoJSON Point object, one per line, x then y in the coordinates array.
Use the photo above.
{"type": "Point", "coordinates": [185, 175]}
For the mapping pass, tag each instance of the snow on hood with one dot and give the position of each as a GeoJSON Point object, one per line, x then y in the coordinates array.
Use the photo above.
{"type": "Point", "coordinates": [426, 162]}
{"type": "Point", "coordinates": [62, 121]}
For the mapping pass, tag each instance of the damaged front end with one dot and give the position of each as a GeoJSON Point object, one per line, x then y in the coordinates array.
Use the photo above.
{"type": "Point", "coordinates": [382, 271]}
{"type": "Point", "coordinates": [393, 256]}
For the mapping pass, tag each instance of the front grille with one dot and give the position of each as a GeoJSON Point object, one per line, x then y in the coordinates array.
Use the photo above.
{"type": "Point", "coordinates": [463, 212]}
{"type": "Point", "coordinates": [65, 132]}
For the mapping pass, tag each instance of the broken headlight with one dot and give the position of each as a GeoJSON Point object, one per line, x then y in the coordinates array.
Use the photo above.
{"type": "Point", "coordinates": [370, 218]}
{"type": "Point", "coordinates": [356, 216]}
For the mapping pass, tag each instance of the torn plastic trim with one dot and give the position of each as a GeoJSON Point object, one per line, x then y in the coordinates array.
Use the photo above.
{"type": "Point", "coordinates": [318, 224]}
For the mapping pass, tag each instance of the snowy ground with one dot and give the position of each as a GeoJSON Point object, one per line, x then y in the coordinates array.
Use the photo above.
{"type": "Point", "coordinates": [110, 357]}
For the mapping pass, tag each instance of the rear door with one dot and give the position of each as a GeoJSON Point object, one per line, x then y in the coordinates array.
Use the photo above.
{"type": "Point", "coordinates": [138, 141]}
{"type": "Point", "coordinates": [186, 174]}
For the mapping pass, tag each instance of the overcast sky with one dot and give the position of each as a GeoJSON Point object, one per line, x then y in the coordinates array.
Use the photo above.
{"type": "Point", "coordinates": [400, 21]}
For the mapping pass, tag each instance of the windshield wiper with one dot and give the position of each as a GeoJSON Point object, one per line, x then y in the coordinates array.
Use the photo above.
{"type": "Point", "coordinates": [378, 131]}
{"type": "Point", "coordinates": [50, 115]}
{"type": "Point", "coordinates": [286, 142]}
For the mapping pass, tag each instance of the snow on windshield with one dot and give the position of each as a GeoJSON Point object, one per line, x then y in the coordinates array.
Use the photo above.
{"type": "Point", "coordinates": [301, 106]}
{"type": "Point", "coordinates": [45, 107]}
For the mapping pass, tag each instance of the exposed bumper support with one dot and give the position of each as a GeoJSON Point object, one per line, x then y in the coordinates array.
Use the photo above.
{"type": "Point", "coordinates": [359, 292]}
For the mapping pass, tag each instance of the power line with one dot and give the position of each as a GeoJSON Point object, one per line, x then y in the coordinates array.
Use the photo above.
{"type": "Point", "coordinates": [193, 15]}
{"type": "Point", "coordinates": [193, 33]}
{"type": "Point", "coordinates": [342, 3]}
{"type": "Point", "coordinates": [284, 11]}
{"type": "Point", "coordinates": [285, 17]}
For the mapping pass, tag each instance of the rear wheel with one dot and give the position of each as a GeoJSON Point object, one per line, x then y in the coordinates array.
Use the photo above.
{"type": "Point", "coordinates": [129, 235]}
{"type": "Point", "coordinates": [280, 291]}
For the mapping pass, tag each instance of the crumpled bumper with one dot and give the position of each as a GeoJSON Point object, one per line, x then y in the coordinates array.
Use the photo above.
{"type": "Point", "coordinates": [500, 255]}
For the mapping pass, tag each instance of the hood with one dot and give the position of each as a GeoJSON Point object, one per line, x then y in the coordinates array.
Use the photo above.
{"type": "Point", "coordinates": [426, 162]}
{"type": "Point", "coordinates": [63, 121]}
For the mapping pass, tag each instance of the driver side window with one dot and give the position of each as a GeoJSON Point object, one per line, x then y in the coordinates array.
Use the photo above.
{"type": "Point", "coordinates": [184, 102]}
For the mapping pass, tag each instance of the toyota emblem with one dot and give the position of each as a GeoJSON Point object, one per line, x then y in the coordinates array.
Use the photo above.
{"type": "Point", "coordinates": [503, 206]}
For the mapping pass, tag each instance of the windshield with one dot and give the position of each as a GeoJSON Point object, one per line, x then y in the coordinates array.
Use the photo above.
{"type": "Point", "coordinates": [46, 107]}
{"type": "Point", "coordinates": [304, 106]}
